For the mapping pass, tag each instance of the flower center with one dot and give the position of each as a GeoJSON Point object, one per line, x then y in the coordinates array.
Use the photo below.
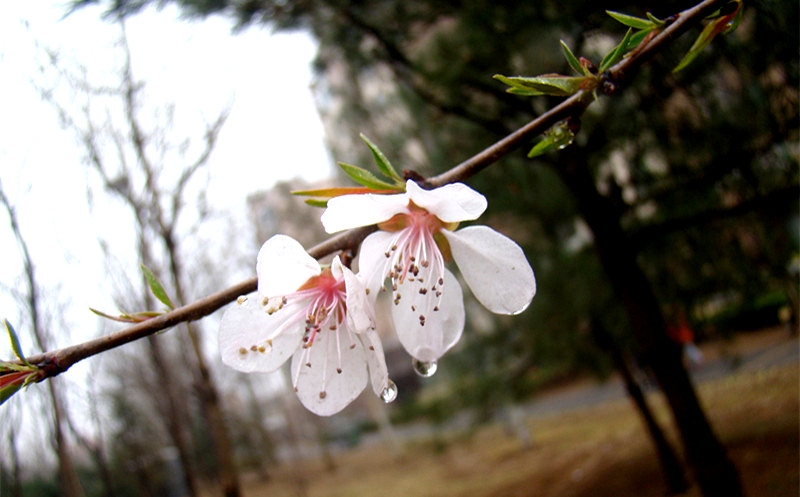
{"type": "Point", "coordinates": [414, 259]}
{"type": "Point", "coordinates": [321, 302]}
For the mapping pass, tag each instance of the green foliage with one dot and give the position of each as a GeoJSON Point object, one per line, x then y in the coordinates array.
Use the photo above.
{"type": "Point", "coordinates": [156, 287]}
{"type": "Point", "coordinates": [723, 23]}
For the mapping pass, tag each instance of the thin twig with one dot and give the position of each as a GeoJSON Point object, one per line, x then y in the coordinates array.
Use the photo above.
{"type": "Point", "coordinates": [58, 361]}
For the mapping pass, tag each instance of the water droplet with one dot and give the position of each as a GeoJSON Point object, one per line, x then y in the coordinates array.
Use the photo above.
{"type": "Point", "coordinates": [426, 369]}
{"type": "Point", "coordinates": [390, 392]}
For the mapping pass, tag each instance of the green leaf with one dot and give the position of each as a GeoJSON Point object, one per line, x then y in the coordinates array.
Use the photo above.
{"type": "Point", "coordinates": [615, 55]}
{"type": "Point", "coordinates": [383, 163]}
{"type": "Point", "coordinates": [656, 20]}
{"type": "Point", "coordinates": [546, 84]}
{"type": "Point", "coordinates": [364, 177]}
{"type": "Point", "coordinates": [8, 391]}
{"type": "Point", "coordinates": [571, 59]}
{"type": "Point", "coordinates": [316, 202]}
{"type": "Point", "coordinates": [11, 366]}
{"type": "Point", "coordinates": [631, 21]}
{"type": "Point", "coordinates": [347, 190]}
{"type": "Point", "coordinates": [15, 346]}
{"type": "Point", "coordinates": [722, 24]}
{"type": "Point", "coordinates": [156, 288]}
{"type": "Point", "coordinates": [556, 138]}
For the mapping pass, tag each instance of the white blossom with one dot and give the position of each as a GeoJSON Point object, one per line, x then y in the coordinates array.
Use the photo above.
{"type": "Point", "coordinates": [321, 317]}
{"type": "Point", "coordinates": [417, 236]}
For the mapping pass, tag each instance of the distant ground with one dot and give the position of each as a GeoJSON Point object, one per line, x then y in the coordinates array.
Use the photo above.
{"type": "Point", "coordinates": [587, 449]}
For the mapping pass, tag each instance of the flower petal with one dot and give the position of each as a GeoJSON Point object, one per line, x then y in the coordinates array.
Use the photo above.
{"type": "Point", "coordinates": [494, 267]}
{"type": "Point", "coordinates": [246, 325]}
{"type": "Point", "coordinates": [283, 266]}
{"type": "Point", "coordinates": [376, 360]}
{"type": "Point", "coordinates": [320, 387]}
{"type": "Point", "coordinates": [442, 328]}
{"type": "Point", "coordinates": [360, 316]}
{"type": "Point", "coordinates": [372, 260]}
{"type": "Point", "coordinates": [451, 203]}
{"type": "Point", "coordinates": [352, 211]}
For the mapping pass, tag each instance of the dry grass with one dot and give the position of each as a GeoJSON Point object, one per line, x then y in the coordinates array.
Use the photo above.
{"type": "Point", "coordinates": [600, 451]}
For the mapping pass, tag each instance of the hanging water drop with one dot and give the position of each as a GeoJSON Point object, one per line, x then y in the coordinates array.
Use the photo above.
{"type": "Point", "coordinates": [390, 392]}
{"type": "Point", "coordinates": [426, 369]}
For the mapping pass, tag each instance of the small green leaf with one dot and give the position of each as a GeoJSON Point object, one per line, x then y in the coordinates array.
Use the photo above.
{"type": "Point", "coordinates": [556, 138]}
{"type": "Point", "coordinates": [571, 59]}
{"type": "Point", "coordinates": [316, 202]}
{"type": "Point", "coordinates": [364, 177]}
{"type": "Point", "coordinates": [655, 20]}
{"type": "Point", "coordinates": [615, 55]}
{"type": "Point", "coordinates": [631, 21]}
{"type": "Point", "coordinates": [8, 391]}
{"type": "Point", "coordinates": [721, 24]}
{"type": "Point", "coordinates": [156, 288]}
{"type": "Point", "coordinates": [15, 346]}
{"type": "Point", "coordinates": [10, 366]}
{"type": "Point", "coordinates": [383, 163]}
{"type": "Point", "coordinates": [339, 191]}
{"type": "Point", "coordinates": [546, 84]}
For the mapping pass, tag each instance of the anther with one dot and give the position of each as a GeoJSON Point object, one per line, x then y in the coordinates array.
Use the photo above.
{"type": "Point", "coordinates": [308, 364]}
{"type": "Point", "coordinates": [339, 370]}
{"type": "Point", "coordinates": [253, 348]}
{"type": "Point", "coordinates": [322, 394]}
{"type": "Point", "coordinates": [423, 291]}
{"type": "Point", "coordinates": [242, 350]}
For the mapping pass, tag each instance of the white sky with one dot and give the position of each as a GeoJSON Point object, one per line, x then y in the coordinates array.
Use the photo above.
{"type": "Point", "coordinates": [273, 132]}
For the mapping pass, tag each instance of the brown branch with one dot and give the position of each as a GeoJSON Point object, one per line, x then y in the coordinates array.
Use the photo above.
{"type": "Point", "coordinates": [56, 362]}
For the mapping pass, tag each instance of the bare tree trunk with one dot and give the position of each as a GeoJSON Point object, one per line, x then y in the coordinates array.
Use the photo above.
{"type": "Point", "coordinates": [70, 485]}
{"type": "Point", "coordinates": [714, 472]}
{"type": "Point", "coordinates": [207, 389]}
{"type": "Point", "coordinates": [68, 478]}
{"type": "Point", "coordinates": [14, 483]}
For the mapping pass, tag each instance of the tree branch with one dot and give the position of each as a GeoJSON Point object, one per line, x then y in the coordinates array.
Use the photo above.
{"type": "Point", "coordinates": [56, 362]}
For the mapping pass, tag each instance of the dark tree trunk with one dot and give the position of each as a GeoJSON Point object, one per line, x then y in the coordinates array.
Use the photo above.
{"type": "Point", "coordinates": [670, 465]}
{"type": "Point", "coordinates": [714, 472]}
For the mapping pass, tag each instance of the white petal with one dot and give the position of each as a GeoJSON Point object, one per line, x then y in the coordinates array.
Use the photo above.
{"type": "Point", "coordinates": [494, 267]}
{"type": "Point", "coordinates": [372, 260]}
{"type": "Point", "coordinates": [451, 203]}
{"type": "Point", "coordinates": [360, 316]}
{"type": "Point", "coordinates": [442, 328]}
{"type": "Point", "coordinates": [340, 389]}
{"type": "Point", "coordinates": [351, 211]}
{"type": "Point", "coordinates": [245, 325]}
{"type": "Point", "coordinates": [283, 266]}
{"type": "Point", "coordinates": [376, 361]}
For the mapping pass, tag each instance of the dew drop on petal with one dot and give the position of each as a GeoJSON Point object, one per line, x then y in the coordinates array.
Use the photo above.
{"type": "Point", "coordinates": [390, 392]}
{"type": "Point", "coordinates": [426, 369]}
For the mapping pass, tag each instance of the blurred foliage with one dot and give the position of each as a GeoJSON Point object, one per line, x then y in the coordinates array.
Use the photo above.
{"type": "Point", "coordinates": [701, 165]}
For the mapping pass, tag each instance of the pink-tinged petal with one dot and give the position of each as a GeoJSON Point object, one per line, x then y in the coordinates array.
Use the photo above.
{"type": "Point", "coordinates": [283, 265]}
{"type": "Point", "coordinates": [376, 361]}
{"type": "Point", "coordinates": [442, 328]}
{"type": "Point", "coordinates": [352, 211]}
{"type": "Point", "coordinates": [372, 260]}
{"type": "Point", "coordinates": [451, 203]}
{"type": "Point", "coordinates": [494, 267]}
{"type": "Point", "coordinates": [360, 316]}
{"type": "Point", "coordinates": [246, 327]}
{"type": "Point", "coordinates": [322, 389]}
